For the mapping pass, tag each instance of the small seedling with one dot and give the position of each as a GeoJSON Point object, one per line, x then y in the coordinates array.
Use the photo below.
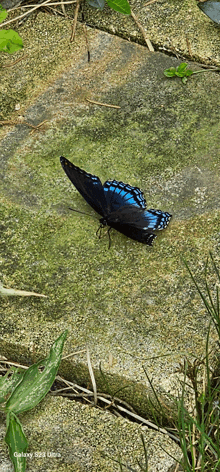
{"type": "Point", "coordinates": [179, 71]}
{"type": "Point", "coordinates": [10, 41]}
{"type": "Point", "coordinates": [183, 72]}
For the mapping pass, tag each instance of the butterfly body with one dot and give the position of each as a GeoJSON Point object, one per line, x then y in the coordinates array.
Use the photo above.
{"type": "Point", "coordinates": [120, 205]}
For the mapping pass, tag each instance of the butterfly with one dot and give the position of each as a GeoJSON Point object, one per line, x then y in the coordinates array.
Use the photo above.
{"type": "Point", "coordinates": [120, 205]}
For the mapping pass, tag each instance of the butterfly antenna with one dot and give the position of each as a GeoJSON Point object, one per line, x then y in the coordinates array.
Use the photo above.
{"type": "Point", "coordinates": [83, 213]}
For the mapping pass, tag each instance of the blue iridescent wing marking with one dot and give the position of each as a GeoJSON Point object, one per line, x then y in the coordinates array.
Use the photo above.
{"type": "Point", "coordinates": [121, 206]}
{"type": "Point", "coordinates": [118, 194]}
{"type": "Point", "coordinates": [88, 185]}
{"type": "Point", "coordinates": [156, 219]}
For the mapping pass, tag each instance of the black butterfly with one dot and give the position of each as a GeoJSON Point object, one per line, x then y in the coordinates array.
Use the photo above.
{"type": "Point", "coordinates": [121, 206]}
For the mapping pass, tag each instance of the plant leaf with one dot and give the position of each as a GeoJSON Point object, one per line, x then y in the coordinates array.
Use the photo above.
{"type": "Point", "coordinates": [120, 5]}
{"type": "Point", "coordinates": [3, 14]}
{"type": "Point", "coordinates": [184, 80]}
{"type": "Point", "coordinates": [179, 71]}
{"type": "Point", "coordinates": [97, 3]}
{"type": "Point", "coordinates": [17, 442]}
{"type": "Point", "coordinates": [7, 384]}
{"type": "Point", "coordinates": [181, 68]}
{"type": "Point", "coordinates": [36, 383]}
{"type": "Point", "coordinates": [23, 293]}
{"type": "Point", "coordinates": [171, 72]}
{"type": "Point", "coordinates": [10, 41]}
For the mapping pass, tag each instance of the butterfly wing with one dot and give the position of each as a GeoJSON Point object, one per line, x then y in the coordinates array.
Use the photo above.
{"type": "Point", "coordinates": [88, 185]}
{"type": "Point", "coordinates": [118, 195]}
{"type": "Point", "coordinates": [138, 224]}
{"type": "Point", "coordinates": [140, 235]}
{"type": "Point", "coordinates": [156, 219]}
{"type": "Point", "coordinates": [128, 220]}
{"type": "Point", "coordinates": [127, 212]}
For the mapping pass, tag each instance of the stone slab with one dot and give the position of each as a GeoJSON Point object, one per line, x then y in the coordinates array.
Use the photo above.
{"type": "Point", "coordinates": [65, 436]}
{"type": "Point", "coordinates": [133, 305]}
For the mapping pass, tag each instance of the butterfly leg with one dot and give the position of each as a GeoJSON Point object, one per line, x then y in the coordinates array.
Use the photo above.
{"type": "Point", "coordinates": [99, 233]}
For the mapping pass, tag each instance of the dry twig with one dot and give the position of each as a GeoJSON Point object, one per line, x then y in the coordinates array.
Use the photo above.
{"type": "Point", "coordinates": [20, 122]}
{"type": "Point", "coordinates": [39, 5]}
{"type": "Point", "coordinates": [92, 376]}
{"type": "Point", "coordinates": [120, 409]}
{"type": "Point", "coordinates": [147, 41]}
{"type": "Point", "coordinates": [15, 62]}
{"type": "Point", "coordinates": [102, 104]}
{"type": "Point", "coordinates": [87, 42]}
{"type": "Point", "coordinates": [149, 3]}
{"type": "Point", "coordinates": [24, 14]}
{"type": "Point", "coordinates": [75, 21]}
{"type": "Point", "coordinates": [102, 398]}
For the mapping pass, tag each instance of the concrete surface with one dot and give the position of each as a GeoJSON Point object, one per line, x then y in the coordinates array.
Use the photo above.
{"type": "Point", "coordinates": [133, 305]}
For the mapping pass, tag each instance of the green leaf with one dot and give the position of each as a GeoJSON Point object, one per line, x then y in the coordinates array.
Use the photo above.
{"type": "Point", "coordinates": [181, 68]}
{"type": "Point", "coordinates": [10, 41]}
{"type": "Point", "coordinates": [10, 291]}
{"type": "Point", "coordinates": [184, 80]}
{"type": "Point", "coordinates": [3, 14]}
{"type": "Point", "coordinates": [7, 384]}
{"type": "Point", "coordinates": [171, 72]}
{"type": "Point", "coordinates": [17, 442]}
{"type": "Point", "coordinates": [179, 71]}
{"type": "Point", "coordinates": [120, 5]}
{"type": "Point", "coordinates": [36, 383]}
{"type": "Point", "coordinates": [180, 74]}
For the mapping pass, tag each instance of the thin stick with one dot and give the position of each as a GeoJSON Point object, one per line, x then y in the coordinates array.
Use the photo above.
{"type": "Point", "coordinates": [119, 407]}
{"type": "Point", "coordinates": [148, 42]}
{"type": "Point", "coordinates": [15, 364]}
{"type": "Point", "coordinates": [54, 3]}
{"type": "Point", "coordinates": [205, 66]}
{"type": "Point", "coordinates": [75, 21]}
{"type": "Point", "coordinates": [177, 467]}
{"type": "Point", "coordinates": [25, 14]}
{"type": "Point", "coordinates": [72, 354]}
{"type": "Point", "coordinates": [11, 122]}
{"type": "Point", "coordinates": [102, 104]}
{"type": "Point", "coordinates": [15, 62]}
{"type": "Point", "coordinates": [149, 3]}
{"type": "Point", "coordinates": [63, 8]}
{"type": "Point", "coordinates": [87, 42]}
{"type": "Point", "coordinates": [92, 376]}
{"type": "Point", "coordinates": [35, 128]}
